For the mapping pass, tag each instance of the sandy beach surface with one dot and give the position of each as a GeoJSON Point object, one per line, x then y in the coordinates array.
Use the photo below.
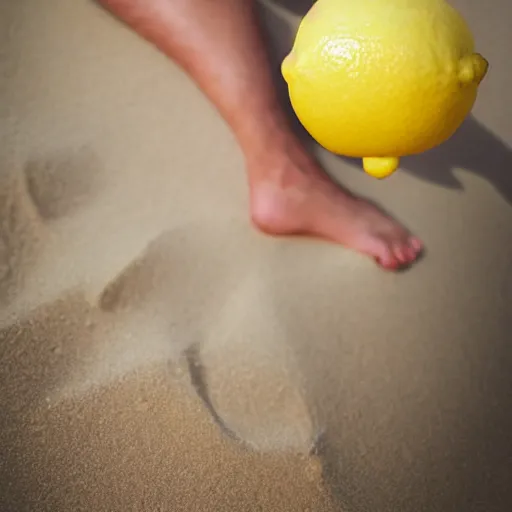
{"type": "Point", "coordinates": [159, 355]}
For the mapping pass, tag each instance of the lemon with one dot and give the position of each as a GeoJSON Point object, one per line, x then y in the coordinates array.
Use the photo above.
{"type": "Point", "coordinates": [381, 79]}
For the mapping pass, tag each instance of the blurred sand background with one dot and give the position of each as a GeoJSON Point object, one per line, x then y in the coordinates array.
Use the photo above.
{"type": "Point", "coordinates": [158, 355]}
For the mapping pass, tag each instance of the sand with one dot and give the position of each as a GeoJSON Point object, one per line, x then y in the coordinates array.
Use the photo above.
{"type": "Point", "coordinates": [159, 355]}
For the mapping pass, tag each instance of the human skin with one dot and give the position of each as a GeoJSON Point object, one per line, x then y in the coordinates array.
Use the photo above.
{"type": "Point", "coordinates": [219, 44]}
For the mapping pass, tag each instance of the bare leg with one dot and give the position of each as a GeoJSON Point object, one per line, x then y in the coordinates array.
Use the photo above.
{"type": "Point", "coordinates": [219, 44]}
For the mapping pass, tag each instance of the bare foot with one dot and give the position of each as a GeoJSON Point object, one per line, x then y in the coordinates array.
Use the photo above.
{"type": "Point", "coordinates": [291, 195]}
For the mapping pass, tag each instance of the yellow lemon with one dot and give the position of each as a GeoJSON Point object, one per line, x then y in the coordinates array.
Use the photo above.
{"type": "Point", "coordinates": [381, 79]}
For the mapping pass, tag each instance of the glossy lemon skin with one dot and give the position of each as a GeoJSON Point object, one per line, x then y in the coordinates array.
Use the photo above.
{"type": "Point", "coordinates": [382, 78]}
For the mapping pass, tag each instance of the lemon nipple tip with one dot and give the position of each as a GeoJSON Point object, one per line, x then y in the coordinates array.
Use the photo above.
{"type": "Point", "coordinates": [380, 167]}
{"type": "Point", "coordinates": [472, 69]}
{"type": "Point", "coordinates": [287, 66]}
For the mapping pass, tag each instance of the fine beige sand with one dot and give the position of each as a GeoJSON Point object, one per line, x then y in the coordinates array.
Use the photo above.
{"type": "Point", "coordinates": [159, 355]}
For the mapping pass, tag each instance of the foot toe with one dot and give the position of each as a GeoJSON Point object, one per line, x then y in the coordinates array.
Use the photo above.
{"type": "Point", "coordinates": [385, 257]}
{"type": "Point", "coordinates": [388, 263]}
{"type": "Point", "coordinates": [412, 250]}
{"type": "Point", "coordinates": [416, 244]}
{"type": "Point", "coordinates": [401, 252]}
{"type": "Point", "coordinates": [413, 253]}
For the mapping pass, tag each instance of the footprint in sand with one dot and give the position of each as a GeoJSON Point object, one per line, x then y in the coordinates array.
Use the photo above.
{"type": "Point", "coordinates": [214, 306]}
{"type": "Point", "coordinates": [46, 188]}
{"type": "Point", "coordinates": [62, 182]}
{"type": "Point", "coordinates": [22, 235]}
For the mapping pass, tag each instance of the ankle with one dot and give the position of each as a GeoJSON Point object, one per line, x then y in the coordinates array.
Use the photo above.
{"type": "Point", "coordinates": [274, 208]}
{"type": "Point", "coordinates": [262, 131]}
